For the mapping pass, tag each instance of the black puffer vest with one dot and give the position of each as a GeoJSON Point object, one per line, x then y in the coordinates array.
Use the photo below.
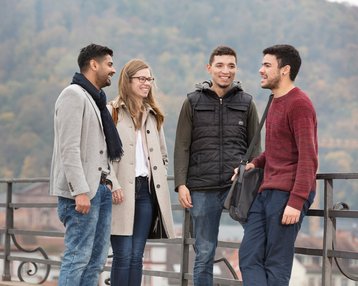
{"type": "Point", "coordinates": [219, 136]}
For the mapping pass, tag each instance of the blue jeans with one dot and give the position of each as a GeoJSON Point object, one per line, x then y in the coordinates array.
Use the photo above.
{"type": "Point", "coordinates": [206, 213]}
{"type": "Point", "coordinates": [86, 239]}
{"type": "Point", "coordinates": [127, 264]}
{"type": "Point", "coordinates": [267, 249]}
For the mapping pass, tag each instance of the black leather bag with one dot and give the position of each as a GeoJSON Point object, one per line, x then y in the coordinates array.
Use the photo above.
{"type": "Point", "coordinates": [242, 193]}
{"type": "Point", "coordinates": [157, 229]}
{"type": "Point", "coordinates": [244, 188]}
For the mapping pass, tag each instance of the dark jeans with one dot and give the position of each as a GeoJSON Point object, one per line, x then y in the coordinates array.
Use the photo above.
{"type": "Point", "coordinates": [128, 251]}
{"type": "Point", "coordinates": [267, 249]}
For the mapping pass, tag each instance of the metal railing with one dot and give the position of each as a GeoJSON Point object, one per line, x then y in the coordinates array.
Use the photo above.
{"type": "Point", "coordinates": [329, 254]}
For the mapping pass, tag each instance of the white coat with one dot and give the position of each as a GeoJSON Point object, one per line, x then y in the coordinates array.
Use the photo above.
{"type": "Point", "coordinates": [123, 213]}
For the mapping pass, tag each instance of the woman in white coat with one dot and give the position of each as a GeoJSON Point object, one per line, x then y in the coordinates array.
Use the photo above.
{"type": "Point", "coordinates": [142, 172]}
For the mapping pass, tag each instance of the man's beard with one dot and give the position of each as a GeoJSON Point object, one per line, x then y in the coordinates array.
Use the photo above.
{"type": "Point", "coordinates": [105, 82]}
{"type": "Point", "coordinates": [273, 84]}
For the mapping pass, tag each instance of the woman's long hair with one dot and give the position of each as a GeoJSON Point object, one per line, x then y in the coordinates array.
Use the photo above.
{"type": "Point", "coordinates": [132, 102]}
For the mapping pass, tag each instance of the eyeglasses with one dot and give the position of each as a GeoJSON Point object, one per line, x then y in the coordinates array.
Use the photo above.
{"type": "Point", "coordinates": [143, 79]}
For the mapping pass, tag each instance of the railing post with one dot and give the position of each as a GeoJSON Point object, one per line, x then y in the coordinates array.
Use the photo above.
{"type": "Point", "coordinates": [9, 224]}
{"type": "Point", "coordinates": [328, 230]}
{"type": "Point", "coordinates": [184, 265]}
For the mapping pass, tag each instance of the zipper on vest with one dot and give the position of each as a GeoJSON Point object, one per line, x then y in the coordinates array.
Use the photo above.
{"type": "Point", "coordinates": [221, 139]}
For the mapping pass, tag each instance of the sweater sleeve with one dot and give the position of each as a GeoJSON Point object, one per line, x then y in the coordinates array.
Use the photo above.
{"type": "Point", "coordinates": [259, 161]}
{"type": "Point", "coordinates": [304, 126]}
{"type": "Point", "coordinates": [182, 145]}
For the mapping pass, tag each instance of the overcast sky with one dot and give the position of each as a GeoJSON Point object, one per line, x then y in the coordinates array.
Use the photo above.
{"type": "Point", "coordinates": [353, 2]}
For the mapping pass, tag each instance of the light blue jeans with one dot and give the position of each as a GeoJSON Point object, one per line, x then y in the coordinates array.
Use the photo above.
{"type": "Point", "coordinates": [86, 239]}
{"type": "Point", "coordinates": [206, 213]}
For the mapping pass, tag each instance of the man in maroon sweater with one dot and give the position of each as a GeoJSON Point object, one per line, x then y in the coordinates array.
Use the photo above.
{"type": "Point", "coordinates": [290, 165]}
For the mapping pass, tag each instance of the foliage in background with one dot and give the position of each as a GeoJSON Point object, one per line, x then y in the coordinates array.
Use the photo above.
{"type": "Point", "coordinates": [40, 41]}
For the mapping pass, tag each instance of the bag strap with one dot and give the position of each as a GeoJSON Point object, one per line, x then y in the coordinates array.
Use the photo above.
{"type": "Point", "coordinates": [253, 143]}
{"type": "Point", "coordinates": [254, 140]}
{"type": "Point", "coordinates": [114, 113]}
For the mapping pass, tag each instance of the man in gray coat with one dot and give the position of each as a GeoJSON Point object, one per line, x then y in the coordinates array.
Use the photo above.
{"type": "Point", "coordinates": [85, 142]}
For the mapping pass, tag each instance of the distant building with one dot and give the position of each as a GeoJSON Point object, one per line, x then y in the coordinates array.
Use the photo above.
{"type": "Point", "coordinates": [345, 241]}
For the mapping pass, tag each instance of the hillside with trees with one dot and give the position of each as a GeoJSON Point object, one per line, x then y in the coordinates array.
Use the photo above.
{"type": "Point", "coordinates": [40, 41]}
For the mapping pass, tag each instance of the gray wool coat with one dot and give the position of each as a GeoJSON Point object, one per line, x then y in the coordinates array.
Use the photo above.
{"type": "Point", "coordinates": [123, 213]}
{"type": "Point", "coordinates": [80, 150]}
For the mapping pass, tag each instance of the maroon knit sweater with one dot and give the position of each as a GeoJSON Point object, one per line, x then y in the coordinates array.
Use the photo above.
{"type": "Point", "coordinates": [290, 157]}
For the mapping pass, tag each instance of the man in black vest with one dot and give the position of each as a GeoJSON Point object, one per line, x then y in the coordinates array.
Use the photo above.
{"type": "Point", "coordinates": [216, 125]}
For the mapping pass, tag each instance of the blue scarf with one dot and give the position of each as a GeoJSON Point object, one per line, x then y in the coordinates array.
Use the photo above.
{"type": "Point", "coordinates": [113, 141]}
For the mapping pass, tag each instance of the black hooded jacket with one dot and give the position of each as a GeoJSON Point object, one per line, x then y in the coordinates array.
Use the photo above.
{"type": "Point", "coordinates": [219, 136]}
